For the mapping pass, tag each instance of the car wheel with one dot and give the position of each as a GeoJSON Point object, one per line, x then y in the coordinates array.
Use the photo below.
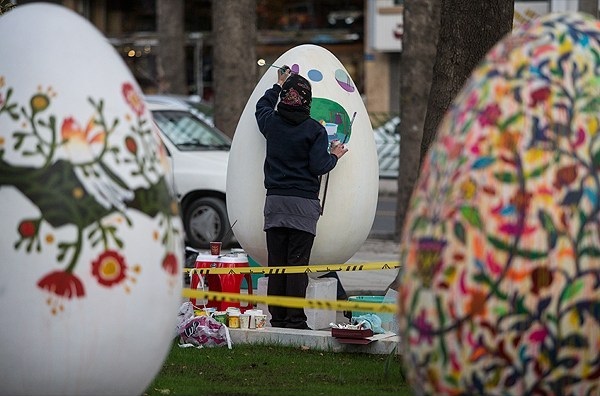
{"type": "Point", "coordinates": [205, 221]}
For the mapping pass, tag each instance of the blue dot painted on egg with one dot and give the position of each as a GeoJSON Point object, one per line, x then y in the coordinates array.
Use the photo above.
{"type": "Point", "coordinates": [344, 80]}
{"type": "Point", "coordinates": [315, 75]}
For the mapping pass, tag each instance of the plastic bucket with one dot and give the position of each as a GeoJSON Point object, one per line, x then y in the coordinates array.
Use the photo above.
{"type": "Point", "coordinates": [255, 277]}
{"type": "Point", "coordinates": [385, 317]}
{"type": "Point", "coordinates": [365, 299]}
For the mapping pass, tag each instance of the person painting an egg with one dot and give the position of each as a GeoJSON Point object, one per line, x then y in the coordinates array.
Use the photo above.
{"type": "Point", "coordinates": [297, 153]}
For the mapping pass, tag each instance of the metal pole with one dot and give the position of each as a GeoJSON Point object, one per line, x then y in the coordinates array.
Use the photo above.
{"type": "Point", "coordinates": [198, 67]}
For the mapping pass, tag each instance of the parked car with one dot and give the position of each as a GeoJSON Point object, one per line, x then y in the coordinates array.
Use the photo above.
{"type": "Point", "coordinates": [198, 153]}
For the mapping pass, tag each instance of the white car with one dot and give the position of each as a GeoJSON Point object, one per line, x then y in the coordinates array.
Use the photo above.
{"type": "Point", "coordinates": [198, 154]}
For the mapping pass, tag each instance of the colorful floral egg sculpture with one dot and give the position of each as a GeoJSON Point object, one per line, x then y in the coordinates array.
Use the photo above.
{"type": "Point", "coordinates": [90, 240]}
{"type": "Point", "coordinates": [500, 290]}
{"type": "Point", "coordinates": [348, 193]}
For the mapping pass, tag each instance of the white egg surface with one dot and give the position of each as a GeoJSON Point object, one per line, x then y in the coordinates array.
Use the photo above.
{"type": "Point", "coordinates": [348, 193]}
{"type": "Point", "coordinates": [500, 289]}
{"type": "Point", "coordinates": [90, 240]}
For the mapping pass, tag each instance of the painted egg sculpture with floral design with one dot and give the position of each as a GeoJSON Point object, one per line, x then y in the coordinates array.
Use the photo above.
{"type": "Point", "coordinates": [90, 240]}
{"type": "Point", "coordinates": [348, 194]}
{"type": "Point", "coordinates": [500, 290]}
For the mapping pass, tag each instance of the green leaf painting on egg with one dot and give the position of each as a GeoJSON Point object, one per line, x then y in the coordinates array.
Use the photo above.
{"type": "Point", "coordinates": [82, 190]}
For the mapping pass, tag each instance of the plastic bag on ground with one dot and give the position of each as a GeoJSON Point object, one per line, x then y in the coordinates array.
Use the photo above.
{"type": "Point", "coordinates": [203, 331]}
{"type": "Point", "coordinates": [186, 312]}
{"type": "Point", "coordinates": [368, 321]}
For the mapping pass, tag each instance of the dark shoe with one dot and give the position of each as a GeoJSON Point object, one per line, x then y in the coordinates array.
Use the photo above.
{"type": "Point", "coordinates": [298, 326]}
{"type": "Point", "coordinates": [277, 323]}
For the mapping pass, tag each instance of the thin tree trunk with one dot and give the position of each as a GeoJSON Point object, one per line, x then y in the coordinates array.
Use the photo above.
{"type": "Point", "coordinates": [468, 30]}
{"type": "Point", "coordinates": [421, 28]}
{"type": "Point", "coordinates": [234, 59]}
{"type": "Point", "coordinates": [171, 53]}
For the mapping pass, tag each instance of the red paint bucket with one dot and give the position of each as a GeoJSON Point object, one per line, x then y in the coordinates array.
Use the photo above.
{"type": "Point", "coordinates": [226, 283]}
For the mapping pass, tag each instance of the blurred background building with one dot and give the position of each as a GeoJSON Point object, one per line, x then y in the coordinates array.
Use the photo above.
{"type": "Point", "coordinates": [366, 35]}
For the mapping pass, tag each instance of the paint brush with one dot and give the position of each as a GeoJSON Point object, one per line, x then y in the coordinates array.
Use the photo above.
{"type": "Point", "coordinates": [229, 231]}
{"type": "Point", "coordinates": [261, 62]}
{"type": "Point", "coordinates": [349, 129]}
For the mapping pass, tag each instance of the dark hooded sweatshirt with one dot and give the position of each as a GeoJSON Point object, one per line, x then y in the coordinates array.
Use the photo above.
{"type": "Point", "coordinates": [296, 150]}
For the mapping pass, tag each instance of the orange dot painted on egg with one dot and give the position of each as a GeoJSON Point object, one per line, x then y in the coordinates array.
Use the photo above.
{"type": "Point", "coordinates": [49, 238]}
{"type": "Point", "coordinates": [40, 102]}
{"type": "Point", "coordinates": [174, 208]}
{"type": "Point", "coordinates": [78, 193]}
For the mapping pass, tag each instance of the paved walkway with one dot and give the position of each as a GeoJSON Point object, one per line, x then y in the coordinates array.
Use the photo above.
{"type": "Point", "coordinates": [371, 282]}
{"type": "Point", "coordinates": [381, 248]}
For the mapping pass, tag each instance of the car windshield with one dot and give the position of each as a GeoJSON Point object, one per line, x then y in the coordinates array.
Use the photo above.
{"type": "Point", "coordinates": [187, 132]}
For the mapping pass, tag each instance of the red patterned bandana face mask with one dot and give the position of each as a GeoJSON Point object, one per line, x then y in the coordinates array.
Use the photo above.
{"type": "Point", "coordinates": [296, 92]}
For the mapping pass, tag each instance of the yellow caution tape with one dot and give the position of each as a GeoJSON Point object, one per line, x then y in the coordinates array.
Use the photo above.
{"type": "Point", "coordinates": [291, 302]}
{"type": "Point", "coordinates": [381, 265]}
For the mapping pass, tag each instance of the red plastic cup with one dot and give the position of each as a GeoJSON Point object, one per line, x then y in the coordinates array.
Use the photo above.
{"type": "Point", "coordinates": [215, 248]}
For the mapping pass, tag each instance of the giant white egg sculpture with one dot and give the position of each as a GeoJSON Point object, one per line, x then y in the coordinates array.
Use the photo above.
{"type": "Point", "coordinates": [500, 290]}
{"type": "Point", "coordinates": [348, 193]}
{"type": "Point", "coordinates": [90, 239]}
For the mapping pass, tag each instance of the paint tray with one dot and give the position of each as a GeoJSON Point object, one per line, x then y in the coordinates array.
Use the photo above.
{"type": "Point", "coordinates": [352, 336]}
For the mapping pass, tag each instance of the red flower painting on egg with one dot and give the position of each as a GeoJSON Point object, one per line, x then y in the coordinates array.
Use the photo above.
{"type": "Point", "coordinates": [133, 99]}
{"type": "Point", "coordinates": [63, 284]}
{"type": "Point", "coordinates": [109, 268]}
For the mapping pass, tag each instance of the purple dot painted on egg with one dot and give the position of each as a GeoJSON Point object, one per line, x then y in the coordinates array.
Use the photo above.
{"type": "Point", "coordinates": [315, 75]}
{"type": "Point", "coordinates": [295, 68]}
{"type": "Point", "coordinates": [344, 80]}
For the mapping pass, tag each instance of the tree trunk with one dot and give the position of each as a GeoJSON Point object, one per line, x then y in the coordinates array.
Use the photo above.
{"type": "Point", "coordinates": [421, 28]}
{"type": "Point", "coordinates": [171, 53]}
{"type": "Point", "coordinates": [234, 59]}
{"type": "Point", "coordinates": [468, 30]}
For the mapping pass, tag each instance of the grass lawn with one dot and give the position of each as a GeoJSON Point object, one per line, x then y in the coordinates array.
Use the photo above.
{"type": "Point", "coordinates": [277, 370]}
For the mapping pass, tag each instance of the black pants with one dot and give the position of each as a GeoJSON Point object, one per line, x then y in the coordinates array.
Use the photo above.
{"type": "Point", "coordinates": [288, 247]}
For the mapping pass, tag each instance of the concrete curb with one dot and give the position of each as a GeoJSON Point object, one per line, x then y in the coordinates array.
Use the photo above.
{"type": "Point", "coordinates": [382, 344]}
{"type": "Point", "coordinates": [388, 186]}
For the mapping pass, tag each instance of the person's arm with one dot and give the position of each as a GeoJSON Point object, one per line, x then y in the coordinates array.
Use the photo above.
{"type": "Point", "coordinates": [265, 107]}
{"type": "Point", "coordinates": [321, 161]}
